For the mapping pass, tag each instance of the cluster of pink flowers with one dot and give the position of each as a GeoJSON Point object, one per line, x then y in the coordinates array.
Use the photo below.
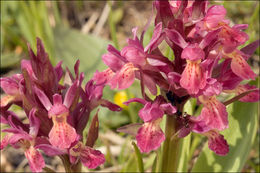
{"type": "Point", "coordinates": [207, 63]}
{"type": "Point", "coordinates": [58, 110]}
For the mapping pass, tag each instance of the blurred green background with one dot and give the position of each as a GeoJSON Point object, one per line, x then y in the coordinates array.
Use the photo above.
{"type": "Point", "coordinates": [72, 30]}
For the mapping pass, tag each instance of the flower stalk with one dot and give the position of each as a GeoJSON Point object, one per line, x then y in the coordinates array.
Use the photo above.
{"type": "Point", "coordinates": [171, 151]}
{"type": "Point", "coordinates": [68, 166]}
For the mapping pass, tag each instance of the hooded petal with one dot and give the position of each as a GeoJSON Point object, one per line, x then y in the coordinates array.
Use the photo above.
{"type": "Point", "coordinates": [94, 91]}
{"type": "Point", "coordinates": [112, 61]}
{"type": "Point", "coordinates": [134, 54]}
{"type": "Point", "coordinates": [150, 136]}
{"type": "Point", "coordinates": [192, 52]}
{"type": "Point", "coordinates": [231, 38]}
{"type": "Point", "coordinates": [168, 108]}
{"type": "Point", "coordinates": [215, 15]}
{"type": "Point", "coordinates": [213, 87]}
{"type": "Point", "coordinates": [35, 159]}
{"type": "Point", "coordinates": [193, 77]}
{"type": "Point", "coordinates": [91, 158]}
{"type": "Point", "coordinates": [150, 112]}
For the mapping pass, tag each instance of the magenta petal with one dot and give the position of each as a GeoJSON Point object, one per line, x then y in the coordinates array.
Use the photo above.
{"type": "Point", "coordinates": [112, 61]}
{"type": "Point", "coordinates": [150, 136]}
{"type": "Point", "coordinates": [192, 52]}
{"type": "Point", "coordinates": [43, 98]}
{"type": "Point", "coordinates": [134, 54]}
{"type": "Point", "coordinates": [57, 99]}
{"type": "Point", "coordinates": [193, 77]}
{"type": "Point", "coordinates": [176, 37]}
{"type": "Point", "coordinates": [9, 85]}
{"type": "Point", "coordinates": [150, 112]}
{"type": "Point", "coordinates": [4, 142]}
{"type": "Point", "coordinates": [115, 52]}
{"type": "Point", "coordinates": [139, 100]}
{"type": "Point", "coordinates": [34, 123]}
{"type": "Point", "coordinates": [209, 38]}
{"type": "Point", "coordinates": [50, 150]}
{"type": "Point", "coordinates": [70, 94]}
{"type": "Point", "coordinates": [164, 12]}
{"type": "Point", "coordinates": [111, 106]}
{"type": "Point", "coordinates": [215, 14]}
{"type": "Point", "coordinates": [217, 143]}
{"type": "Point", "coordinates": [150, 84]}
{"type": "Point", "coordinates": [168, 108]}
{"type": "Point", "coordinates": [214, 114]}
{"type": "Point", "coordinates": [240, 67]}
{"type": "Point", "coordinates": [251, 97]}
{"type": "Point", "coordinates": [250, 49]}
{"type": "Point", "coordinates": [93, 91]}
{"type": "Point", "coordinates": [59, 71]}
{"type": "Point", "coordinates": [174, 77]}
{"type": "Point", "coordinates": [17, 135]}
{"type": "Point", "coordinates": [26, 64]}
{"type": "Point", "coordinates": [155, 40]}
{"type": "Point", "coordinates": [103, 77]}
{"type": "Point", "coordinates": [125, 77]}
{"type": "Point", "coordinates": [240, 26]}
{"type": "Point", "coordinates": [91, 158]}
{"type": "Point", "coordinates": [35, 159]}
{"type": "Point", "coordinates": [212, 88]}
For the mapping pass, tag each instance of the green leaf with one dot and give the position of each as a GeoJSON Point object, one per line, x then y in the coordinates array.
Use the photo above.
{"type": "Point", "coordinates": [138, 158]}
{"type": "Point", "coordinates": [240, 135]}
{"type": "Point", "coordinates": [130, 165]}
{"type": "Point", "coordinates": [71, 45]}
{"type": "Point", "coordinates": [9, 60]}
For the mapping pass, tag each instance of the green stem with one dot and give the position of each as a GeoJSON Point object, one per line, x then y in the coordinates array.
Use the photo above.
{"type": "Point", "coordinates": [171, 147]}
{"type": "Point", "coordinates": [68, 166]}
